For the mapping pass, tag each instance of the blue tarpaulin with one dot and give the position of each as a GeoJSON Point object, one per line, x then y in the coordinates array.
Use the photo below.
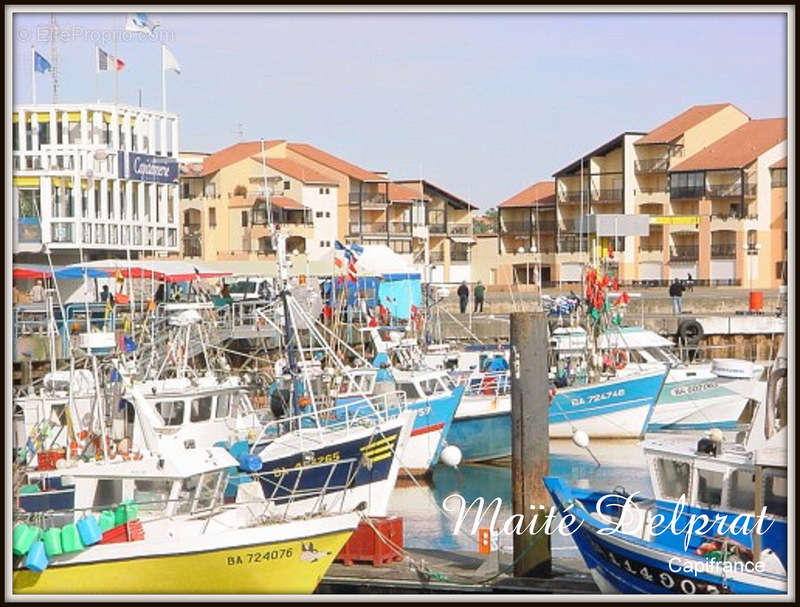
{"type": "Point", "coordinates": [398, 292]}
{"type": "Point", "coordinates": [366, 287]}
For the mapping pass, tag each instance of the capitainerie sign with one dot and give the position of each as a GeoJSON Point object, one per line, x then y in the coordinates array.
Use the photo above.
{"type": "Point", "coordinates": [144, 167]}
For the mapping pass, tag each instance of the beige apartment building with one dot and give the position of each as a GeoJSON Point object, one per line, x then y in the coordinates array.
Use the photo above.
{"type": "Point", "coordinates": [318, 198]}
{"type": "Point", "coordinates": [704, 180]}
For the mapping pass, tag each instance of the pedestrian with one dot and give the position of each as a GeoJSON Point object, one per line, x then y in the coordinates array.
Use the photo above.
{"type": "Point", "coordinates": [463, 296]}
{"type": "Point", "coordinates": [158, 296]}
{"type": "Point", "coordinates": [37, 292]}
{"type": "Point", "coordinates": [105, 294]}
{"type": "Point", "coordinates": [479, 292]}
{"type": "Point", "coordinates": [689, 283]}
{"type": "Point", "coordinates": [676, 290]}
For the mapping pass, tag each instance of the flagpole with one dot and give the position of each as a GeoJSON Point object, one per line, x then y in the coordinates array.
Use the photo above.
{"type": "Point", "coordinates": [97, 72]}
{"type": "Point", "coordinates": [116, 72]}
{"type": "Point", "coordinates": [33, 73]}
{"type": "Point", "coordinates": [163, 83]}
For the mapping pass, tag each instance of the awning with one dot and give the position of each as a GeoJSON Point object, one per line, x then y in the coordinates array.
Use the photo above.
{"type": "Point", "coordinates": [169, 271]}
{"type": "Point", "coordinates": [463, 239]}
{"type": "Point", "coordinates": [23, 272]}
{"type": "Point", "coordinates": [74, 271]}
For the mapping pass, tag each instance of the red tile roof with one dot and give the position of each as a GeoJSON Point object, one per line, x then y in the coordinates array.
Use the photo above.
{"type": "Point", "coordinates": [284, 202]}
{"type": "Point", "coordinates": [297, 170]}
{"type": "Point", "coordinates": [329, 160]}
{"type": "Point", "coordinates": [399, 193]}
{"type": "Point", "coordinates": [781, 164]}
{"type": "Point", "coordinates": [539, 194]}
{"type": "Point", "coordinates": [234, 153]}
{"type": "Point", "coordinates": [738, 148]}
{"type": "Point", "coordinates": [681, 123]}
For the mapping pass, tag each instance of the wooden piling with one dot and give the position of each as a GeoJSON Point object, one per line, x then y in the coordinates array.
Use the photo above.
{"type": "Point", "coordinates": [530, 440]}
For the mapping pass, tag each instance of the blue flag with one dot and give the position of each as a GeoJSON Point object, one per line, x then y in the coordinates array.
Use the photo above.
{"type": "Point", "coordinates": [40, 64]}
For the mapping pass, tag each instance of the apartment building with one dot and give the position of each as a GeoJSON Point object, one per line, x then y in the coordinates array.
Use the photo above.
{"type": "Point", "coordinates": [226, 208]}
{"type": "Point", "coordinates": [96, 179]}
{"type": "Point", "coordinates": [525, 241]}
{"type": "Point", "coordinates": [442, 231]}
{"type": "Point", "coordinates": [703, 178]}
{"type": "Point", "coordinates": [728, 186]}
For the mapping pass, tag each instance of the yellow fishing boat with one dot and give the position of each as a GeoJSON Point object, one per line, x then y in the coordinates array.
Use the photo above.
{"type": "Point", "coordinates": [185, 540]}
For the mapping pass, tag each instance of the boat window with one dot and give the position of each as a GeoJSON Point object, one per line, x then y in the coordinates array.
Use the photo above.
{"type": "Point", "coordinates": [107, 493]}
{"type": "Point", "coordinates": [673, 477]}
{"type": "Point", "coordinates": [186, 497]}
{"type": "Point", "coordinates": [431, 386]}
{"type": "Point", "coordinates": [171, 411]}
{"type": "Point", "coordinates": [207, 491]}
{"type": "Point", "coordinates": [775, 494]}
{"type": "Point", "coordinates": [743, 489]}
{"type": "Point", "coordinates": [659, 355]}
{"type": "Point", "coordinates": [201, 409]}
{"type": "Point", "coordinates": [409, 389]}
{"type": "Point", "coordinates": [223, 405]}
{"type": "Point", "coordinates": [709, 487]}
{"type": "Point", "coordinates": [151, 494]}
{"type": "Point", "coordinates": [635, 356]}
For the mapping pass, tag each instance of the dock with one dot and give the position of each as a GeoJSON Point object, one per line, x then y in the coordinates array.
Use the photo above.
{"type": "Point", "coordinates": [448, 572]}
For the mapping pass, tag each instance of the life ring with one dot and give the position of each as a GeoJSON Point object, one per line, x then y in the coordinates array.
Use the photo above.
{"type": "Point", "coordinates": [489, 385]}
{"type": "Point", "coordinates": [620, 359]}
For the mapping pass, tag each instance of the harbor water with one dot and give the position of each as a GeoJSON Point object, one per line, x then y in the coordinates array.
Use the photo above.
{"type": "Point", "coordinates": [428, 525]}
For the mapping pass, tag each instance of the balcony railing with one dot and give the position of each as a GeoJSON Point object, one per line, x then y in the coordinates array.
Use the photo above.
{"type": "Point", "coordinates": [437, 256]}
{"type": "Point", "coordinates": [400, 227]}
{"type": "Point", "coordinates": [600, 195]}
{"type": "Point", "coordinates": [684, 252]}
{"type": "Point", "coordinates": [437, 228]}
{"type": "Point", "coordinates": [459, 255]}
{"type": "Point", "coordinates": [516, 227]}
{"type": "Point", "coordinates": [724, 190]}
{"type": "Point", "coordinates": [652, 165]}
{"type": "Point", "coordinates": [723, 251]}
{"type": "Point", "coordinates": [607, 195]}
{"type": "Point", "coordinates": [378, 227]}
{"type": "Point", "coordinates": [651, 245]}
{"type": "Point", "coordinates": [687, 192]}
{"type": "Point", "coordinates": [459, 227]}
{"type": "Point", "coordinates": [365, 198]}
{"type": "Point", "coordinates": [573, 196]}
{"type": "Point", "coordinates": [573, 246]}
{"type": "Point", "coordinates": [192, 229]}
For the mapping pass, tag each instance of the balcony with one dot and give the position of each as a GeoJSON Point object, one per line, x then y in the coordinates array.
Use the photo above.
{"type": "Point", "coordinates": [378, 227]}
{"type": "Point", "coordinates": [723, 251]}
{"type": "Point", "coordinates": [377, 200]}
{"type": "Point", "coordinates": [192, 229]}
{"type": "Point", "coordinates": [724, 190]}
{"type": "Point", "coordinates": [456, 255]}
{"type": "Point", "coordinates": [437, 256]}
{"type": "Point", "coordinates": [573, 196]}
{"type": "Point", "coordinates": [651, 165]}
{"type": "Point", "coordinates": [680, 193]}
{"type": "Point", "coordinates": [516, 227]}
{"type": "Point", "coordinates": [650, 245]}
{"type": "Point", "coordinates": [437, 228]}
{"type": "Point", "coordinates": [400, 227]}
{"type": "Point", "coordinates": [607, 195]}
{"type": "Point", "coordinates": [684, 252]}
{"type": "Point", "coordinates": [460, 228]}
{"type": "Point", "coordinates": [573, 245]}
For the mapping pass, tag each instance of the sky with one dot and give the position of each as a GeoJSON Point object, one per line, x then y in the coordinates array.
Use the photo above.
{"type": "Point", "coordinates": [483, 105]}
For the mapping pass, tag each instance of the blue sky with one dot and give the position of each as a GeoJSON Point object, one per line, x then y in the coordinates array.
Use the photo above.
{"type": "Point", "coordinates": [482, 105]}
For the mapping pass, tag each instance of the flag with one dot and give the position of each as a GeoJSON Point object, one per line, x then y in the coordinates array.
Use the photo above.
{"type": "Point", "coordinates": [40, 64]}
{"type": "Point", "coordinates": [140, 22]}
{"type": "Point", "coordinates": [107, 63]}
{"type": "Point", "coordinates": [168, 60]}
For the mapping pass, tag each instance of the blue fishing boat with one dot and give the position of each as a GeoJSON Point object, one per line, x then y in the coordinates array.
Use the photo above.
{"type": "Point", "coordinates": [627, 551]}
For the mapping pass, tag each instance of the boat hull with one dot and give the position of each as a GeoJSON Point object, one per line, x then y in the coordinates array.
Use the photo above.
{"type": "Point", "coordinates": [622, 563]}
{"type": "Point", "coordinates": [244, 563]}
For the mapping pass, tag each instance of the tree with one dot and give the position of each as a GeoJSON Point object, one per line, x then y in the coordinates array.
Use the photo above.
{"type": "Point", "coordinates": [487, 222]}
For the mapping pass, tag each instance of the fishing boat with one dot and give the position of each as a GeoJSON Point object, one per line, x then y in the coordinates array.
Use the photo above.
{"type": "Point", "coordinates": [741, 486]}
{"type": "Point", "coordinates": [158, 525]}
{"type": "Point", "coordinates": [696, 395]}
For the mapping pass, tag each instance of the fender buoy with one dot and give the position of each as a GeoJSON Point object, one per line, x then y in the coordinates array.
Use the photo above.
{"type": "Point", "coordinates": [691, 332]}
{"type": "Point", "coordinates": [620, 359]}
{"type": "Point", "coordinates": [489, 385]}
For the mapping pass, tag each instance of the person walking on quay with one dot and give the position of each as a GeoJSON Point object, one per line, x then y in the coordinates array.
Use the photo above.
{"type": "Point", "coordinates": [37, 292]}
{"type": "Point", "coordinates": [104, 294]}
{"type": "Point", "coordinates": [479, 292]}
{"type": "Point", "coordinates": [689, 283]}
{"type": "Point", "coordinates": [676, 290]}
{"type": "Point", "coordinates": [463, 296]}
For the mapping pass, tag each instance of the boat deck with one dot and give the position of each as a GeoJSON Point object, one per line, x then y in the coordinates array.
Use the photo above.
{"type": "Point", "coordinates": [450, 572]}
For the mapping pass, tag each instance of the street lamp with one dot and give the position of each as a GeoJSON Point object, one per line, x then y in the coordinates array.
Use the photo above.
{"type": "Point", "coordinates": [752, 251]}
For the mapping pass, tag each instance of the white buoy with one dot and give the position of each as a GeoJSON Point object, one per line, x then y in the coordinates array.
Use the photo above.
{"type": "Point", "coordinates": [580, 438]}
{"type": "Point", "coordinates": [450, 456]}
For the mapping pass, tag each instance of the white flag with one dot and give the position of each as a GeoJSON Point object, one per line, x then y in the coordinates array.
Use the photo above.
{"type": "Point", "coordinates": [168, 60]}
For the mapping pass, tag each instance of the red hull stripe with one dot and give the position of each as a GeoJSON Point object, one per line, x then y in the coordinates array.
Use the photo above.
{"type": "Point", "coordinates": [427, 429]}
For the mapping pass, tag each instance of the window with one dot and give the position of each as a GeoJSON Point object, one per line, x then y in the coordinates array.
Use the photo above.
{"type": "Point", "coordinates": [186, 190]}
{"type": "Point", "coordinates": [775, 492]}
{"type": "Point", "coordinates": [171, 411]}
{"type": "Point", "coordinates": [778, 178]}
{"type": "Point", "coordinates": [29, 203]}
{"type": "Point", "coordinates": [151, 494]}
{"type": "Point", "coordinates": [223, 405]}
{"type": "Point", "coordinates": [327, 190]}
{"type": "Point", "coordinates": [409, 389]}
{"type": "Point", "coordinates": [318, 214]}
{"type": "Point", "coordinates": [327, 213]}
{"type": "Point", "coordinates": [44, 133]}
{"type": "Point", "coordinates": [207, 491]}
{"type": "Point", "coordinates": [84, 203]}
{"type": "Point", "coordinates": [709, 487]}
{"type": "Point", "coordinates": [245, 221]}
{"type": "Point", "coordinates": [287, 185]}
{"type": "Point", "coordinates": [15, 138]}
{"type": "Point", "coordinates": [201, 409]}
{"type": "Point", "coordinates": [742, 490]}
{"type": "Point", "coordinates": [212, 217]}
{"type": "Point", "coordinates": [322, 190]}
